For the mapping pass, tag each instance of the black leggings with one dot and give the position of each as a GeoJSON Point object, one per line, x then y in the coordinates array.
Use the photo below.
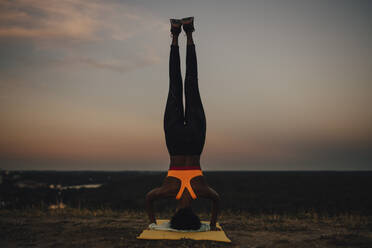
{"type": "Point", "coordinates": [184, 135]}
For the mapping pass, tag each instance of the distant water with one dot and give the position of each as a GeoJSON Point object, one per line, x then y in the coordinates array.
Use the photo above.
{"type": "Point", "coordinates": [255, 191]}
{"type": "Point", "coordinates": [86, 186]}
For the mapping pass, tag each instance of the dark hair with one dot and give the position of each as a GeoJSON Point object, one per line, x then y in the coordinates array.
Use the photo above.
{"type": "Point", "coordinates": [185, 219]}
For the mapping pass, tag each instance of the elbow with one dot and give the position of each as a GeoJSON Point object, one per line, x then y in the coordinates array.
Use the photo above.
{"type": "Point", "coordinates": [215, 199]}
{"type": "Point", "coordinates": [149, 198]}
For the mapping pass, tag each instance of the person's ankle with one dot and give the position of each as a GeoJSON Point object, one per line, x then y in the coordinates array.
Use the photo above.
{"type": "Point", "coordinates": [188, 24]}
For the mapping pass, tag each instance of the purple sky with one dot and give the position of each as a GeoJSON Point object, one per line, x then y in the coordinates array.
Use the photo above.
{"type": "Point", "coordinates": [286, 85]}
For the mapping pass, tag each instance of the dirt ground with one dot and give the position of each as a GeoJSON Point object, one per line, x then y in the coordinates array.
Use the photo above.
{"type": "Point", "coordinates": [77, 228]}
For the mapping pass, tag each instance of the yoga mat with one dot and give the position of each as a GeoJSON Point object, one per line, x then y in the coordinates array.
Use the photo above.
{"type": "Point", "coordinates": [174, 235]}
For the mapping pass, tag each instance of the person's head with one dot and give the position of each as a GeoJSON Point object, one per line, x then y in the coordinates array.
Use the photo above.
{"type": "Point", "coordinates": [185, 219]}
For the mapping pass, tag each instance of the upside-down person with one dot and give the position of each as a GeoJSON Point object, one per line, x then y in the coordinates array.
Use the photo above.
{"type": "Point", "coordinates": [185, 138]}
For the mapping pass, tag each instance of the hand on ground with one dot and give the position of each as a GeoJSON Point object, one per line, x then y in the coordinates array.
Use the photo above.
{"type": "Point", "coordinates": [214, 228]}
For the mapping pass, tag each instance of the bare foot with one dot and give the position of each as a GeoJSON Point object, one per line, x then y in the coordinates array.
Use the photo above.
{"type": "Point", "coordinates": [188, 24]}
{"type": "Point", "coordinates": [175, 26]}
{"type": "Point", "coordinates": [214, 228]}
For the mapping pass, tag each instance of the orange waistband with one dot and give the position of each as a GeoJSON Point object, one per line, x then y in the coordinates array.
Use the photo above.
{"type": "Point", "coordinates": [185, 176]}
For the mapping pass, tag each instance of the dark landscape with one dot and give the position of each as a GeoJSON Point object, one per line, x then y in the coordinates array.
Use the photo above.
{"type": "Point", "coordinates": [258, 209]}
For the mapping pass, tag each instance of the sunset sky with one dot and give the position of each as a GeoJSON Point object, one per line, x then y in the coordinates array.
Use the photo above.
{"type": "Point", "coordinates": [286, 85]}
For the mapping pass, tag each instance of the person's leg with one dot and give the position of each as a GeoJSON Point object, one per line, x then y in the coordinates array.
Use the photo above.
{"type": "Point", "coordinates": [174, 113]}
{"type": "Point", "coordinates": [194, 113]}
{"type": "Point", "coordinates": [190, 40]}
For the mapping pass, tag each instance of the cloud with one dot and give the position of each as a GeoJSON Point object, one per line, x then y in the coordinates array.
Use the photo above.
{"type": "Point", "coordinates": [73, 31]}
{"type": "Point", "coordinates": [76, 20]}
{"type": "Point", "coordinates": [148, 56]}
{"type": "Point", "coordinates": [118, 65]}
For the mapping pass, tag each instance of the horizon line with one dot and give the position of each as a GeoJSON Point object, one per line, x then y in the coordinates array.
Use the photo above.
{"type": "Point", "coordinates": [37, 170]}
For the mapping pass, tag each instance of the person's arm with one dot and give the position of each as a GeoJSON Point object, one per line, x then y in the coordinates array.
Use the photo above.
{"type": "Point", "coordinates": [213, 195]}
{"type": "Point", "coordinates": [150, 198]}
{"type": "Point", "coordinates": [203, 190]}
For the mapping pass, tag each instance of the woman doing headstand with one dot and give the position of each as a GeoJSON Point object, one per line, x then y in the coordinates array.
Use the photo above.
{"type": "Point", "coordinates": [185, 138]}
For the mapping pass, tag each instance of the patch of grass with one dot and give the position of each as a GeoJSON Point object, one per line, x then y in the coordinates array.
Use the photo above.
{"type": "Point", "coordinates": [282, 241]}
{"type": "Point", "coordinates": [232, 219]}
{"type": "Point", "coordinates": [70, 212]}
{"type": "Point", "coordinates": [293, 223]}
{"type": "Point", "coordinates": [349, 240]}
{"type": "Point", "coordinates": [112, 228]}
